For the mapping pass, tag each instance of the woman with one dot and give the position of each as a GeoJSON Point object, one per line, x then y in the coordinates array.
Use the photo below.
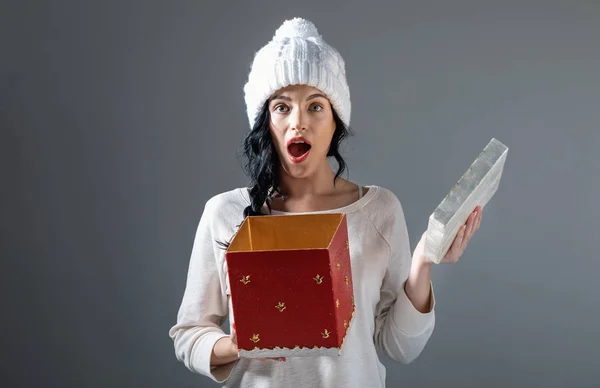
{"type": "Point", "coordinates": [298, 106]}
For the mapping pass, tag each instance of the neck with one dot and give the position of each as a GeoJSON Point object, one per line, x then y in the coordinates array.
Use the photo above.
{"type": "Point", "coordinates": [319, 183]}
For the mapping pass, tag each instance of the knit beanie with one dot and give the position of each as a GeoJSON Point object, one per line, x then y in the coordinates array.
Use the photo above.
{"type": "Point", "coordinates": [297, 55]}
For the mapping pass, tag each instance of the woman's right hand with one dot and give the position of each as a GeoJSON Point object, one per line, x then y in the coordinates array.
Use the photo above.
{"type": "Point", "coordinates": [226, 350]}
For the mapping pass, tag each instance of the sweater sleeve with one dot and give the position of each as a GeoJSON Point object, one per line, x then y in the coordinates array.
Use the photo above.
{"type": "Point", "coordinates": [204, 306]}
{"type": "Point", "coordinates": [400, 329]}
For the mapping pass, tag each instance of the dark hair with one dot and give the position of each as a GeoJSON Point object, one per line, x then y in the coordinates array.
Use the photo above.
{"type": "Point", "coordinates": [262, 161]}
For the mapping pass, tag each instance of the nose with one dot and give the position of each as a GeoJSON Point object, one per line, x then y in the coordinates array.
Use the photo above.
{"type": "Point", "coordinates": [297, 120]}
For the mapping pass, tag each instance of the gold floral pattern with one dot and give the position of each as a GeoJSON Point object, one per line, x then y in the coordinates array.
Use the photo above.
{"type": "Point", "coordinates": [318, 279]}
{"type": "Point", "coordinates": [255, 338]}
{"type": "Point", "coordinates": [325, 334]}
{"type": "Point", "coordinates": [280, 306]}
{"type": "Point", "coordinates": [245, 279]}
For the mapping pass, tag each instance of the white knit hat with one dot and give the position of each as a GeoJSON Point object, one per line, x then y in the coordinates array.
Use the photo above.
{"type": "Point", "coordinates": [297, 54]}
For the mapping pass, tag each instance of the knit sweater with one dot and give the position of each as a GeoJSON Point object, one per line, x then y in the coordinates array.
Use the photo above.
{"type": "Point", "coordinates": [385, 319]}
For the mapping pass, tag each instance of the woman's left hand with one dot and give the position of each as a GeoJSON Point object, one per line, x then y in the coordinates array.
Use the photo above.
{"type": "Point", "coordinates": [464, 235]}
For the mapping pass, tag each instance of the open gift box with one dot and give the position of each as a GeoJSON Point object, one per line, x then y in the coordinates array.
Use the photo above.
{"type": "Point", "coordinates": [291, 285]}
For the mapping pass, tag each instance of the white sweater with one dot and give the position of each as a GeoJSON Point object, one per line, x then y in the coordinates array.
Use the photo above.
{"type": "Point", "coordinates": [385, 318]}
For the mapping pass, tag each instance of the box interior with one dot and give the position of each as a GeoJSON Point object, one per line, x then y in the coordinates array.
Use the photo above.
{"type": "Point", "coordinates": [283, 232]}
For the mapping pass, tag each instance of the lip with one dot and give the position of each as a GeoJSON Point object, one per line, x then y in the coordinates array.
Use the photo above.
{"type": "Point", "coordinates": [303, 157]}
{"type": "Point", "coordinates": [298, 138]}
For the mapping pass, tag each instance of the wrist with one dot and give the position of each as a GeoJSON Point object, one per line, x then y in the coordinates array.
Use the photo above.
{"type": "Point", "coordinates": [418, 284]}
{"type": "Point", "coordinates": [421, 263]}
{"type": "Point", "coordinates": [224, 352]}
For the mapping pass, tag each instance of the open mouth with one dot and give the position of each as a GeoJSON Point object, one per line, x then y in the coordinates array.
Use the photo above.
{"type": "Point", "coordinates": [298, 149]}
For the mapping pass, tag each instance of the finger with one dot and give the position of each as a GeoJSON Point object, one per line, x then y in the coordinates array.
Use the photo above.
{"type": "Point", "coordinates": [464, 245]}
{"type": "Point", "coordinates": [455, 248]}
{"type": "Point", "coordinates": [472, 227]}
{"type": "Point", "coordinates": [477, 221]}
{"type": "Point", "coordinates": [233, 334]}
{"type": "Point", "coordinates": [471, 223]}
{"type": "Point", "coordinates": [479, 218]}
{"type": "Point", "coordinates": [467, 238]}
{"type": "Point", "coordinates": [469, 227]}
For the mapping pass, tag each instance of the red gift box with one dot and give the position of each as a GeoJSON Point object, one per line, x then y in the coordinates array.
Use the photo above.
{"type": "Point", "coordinates": [291, 285]}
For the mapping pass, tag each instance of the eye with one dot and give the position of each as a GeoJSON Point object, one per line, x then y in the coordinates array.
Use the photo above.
{"type": "Point", "coordinates": [316, 107]}
{"type": "Point", "coordinates": [281, 108]}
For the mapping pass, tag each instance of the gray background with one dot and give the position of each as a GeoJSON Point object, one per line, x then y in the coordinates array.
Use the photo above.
{"type": "Point", "coordinates": [119, 119]}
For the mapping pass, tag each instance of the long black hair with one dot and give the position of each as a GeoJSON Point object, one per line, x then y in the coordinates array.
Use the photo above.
{"type": "Point", "coordinates": [262, 161]}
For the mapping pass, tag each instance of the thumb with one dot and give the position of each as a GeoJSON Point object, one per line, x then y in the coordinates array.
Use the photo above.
{"type": "Point", "coordinates": [420, 247]}
{"type": "Point", "coordinates": [422, 240]}
{"type": "Point", "coordinates": [233, 335]}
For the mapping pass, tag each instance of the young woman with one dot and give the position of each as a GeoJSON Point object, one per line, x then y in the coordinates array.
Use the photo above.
{"type": "Point", "coordinates": [298, 105]}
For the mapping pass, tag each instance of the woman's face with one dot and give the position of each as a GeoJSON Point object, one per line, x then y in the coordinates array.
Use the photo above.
{"type": "Point", "coordinates": [302, 126]}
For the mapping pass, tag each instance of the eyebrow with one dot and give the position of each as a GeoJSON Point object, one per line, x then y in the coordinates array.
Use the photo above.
{"type": "Point", "coordinates": [286, 98]}
{"type": "Point", "coordinates": [316, 95]}
{"type": "Point", "coordinates": [281, 97]}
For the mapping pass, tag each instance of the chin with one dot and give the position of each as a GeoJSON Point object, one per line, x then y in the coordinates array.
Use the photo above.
{"type": "Point", "coordinates": [298, 172]}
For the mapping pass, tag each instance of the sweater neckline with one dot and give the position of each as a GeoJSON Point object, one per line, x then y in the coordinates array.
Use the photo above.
{"type": "Point", "coordinates": [244, 192]}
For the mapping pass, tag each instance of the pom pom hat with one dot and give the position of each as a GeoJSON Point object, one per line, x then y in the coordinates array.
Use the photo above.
{"type": "Point", "coordinates": [297, 55]}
